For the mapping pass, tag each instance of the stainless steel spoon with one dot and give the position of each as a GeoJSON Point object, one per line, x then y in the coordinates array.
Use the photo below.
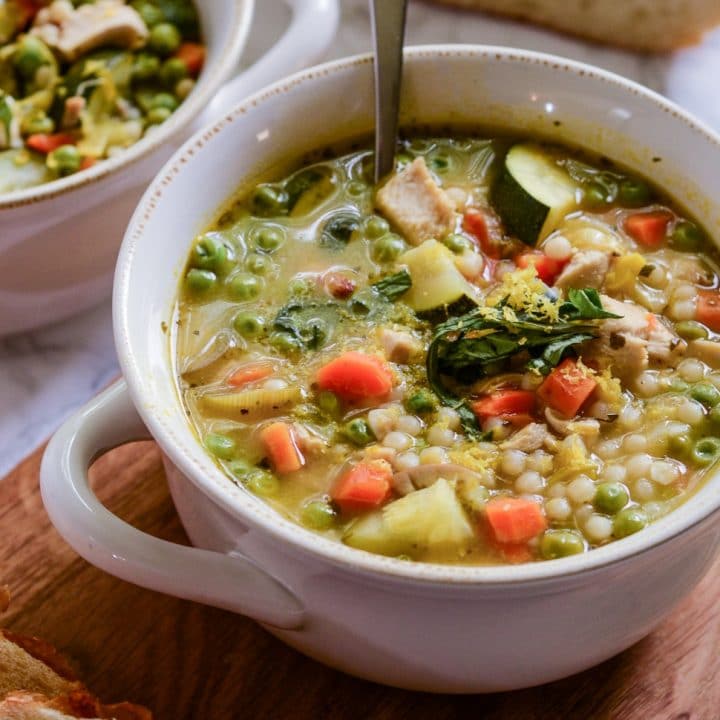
{"type": "Point", "coordinates": [388, 21]}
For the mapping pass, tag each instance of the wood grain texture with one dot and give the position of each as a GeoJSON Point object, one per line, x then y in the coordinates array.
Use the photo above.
{"type": "Point", "coordinates": [189, 661]}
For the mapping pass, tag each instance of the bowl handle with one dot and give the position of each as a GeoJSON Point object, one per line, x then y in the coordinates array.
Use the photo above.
{"type": "Point", "coordinates": [232, 582]}
{"type": "Point", "coordinates": [311, 30]}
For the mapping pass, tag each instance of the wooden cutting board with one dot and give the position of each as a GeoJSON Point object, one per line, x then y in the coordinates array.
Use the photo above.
{"type": "Point", "coordinates": [184, 660]}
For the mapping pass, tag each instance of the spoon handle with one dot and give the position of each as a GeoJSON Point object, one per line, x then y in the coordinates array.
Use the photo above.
{"type": "Point", "coordinates": [388, 21]}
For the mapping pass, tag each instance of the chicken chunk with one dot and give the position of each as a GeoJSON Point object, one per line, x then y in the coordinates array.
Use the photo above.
{"type": "Point", "coordinates": [71, 31]}
{"type": "Point", "coordinates": [586, 269]}
{"type": "Point", "coordinates": [400, 346]}
{"type": "Point", "coordinates": [631, 342]}
{"type": "Point", "coordinates": [531, 437]}
{"type": "Point", "coordinates": [414, 203]}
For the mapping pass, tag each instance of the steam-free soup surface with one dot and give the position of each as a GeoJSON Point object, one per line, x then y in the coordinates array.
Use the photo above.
{"type": "Point", "coordinates": [503, 353]}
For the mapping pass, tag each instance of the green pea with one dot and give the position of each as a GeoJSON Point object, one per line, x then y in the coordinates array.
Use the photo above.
{"type": "Point", "coordinates": [268, 201]}
{"type": "Point", "coordinates": [244, 286]}
{"type": "Point", "coordinates": [164, 100]}
{"type": "Point", "coordinates": [262, 482]}
{"type": "Point", "coordinates": [221, 446]}
{"type": "Point", "coordinates": [686, 237]}
{"type": "Point", "coordinates": [561, 543]}
{"type": "Point", "coordinates": [157, 116]}
{"type": "Point", "coordinates": [706, 394]}
{"type": "Point", "coordinates": [269, 239]}
{"type": "Point", "coordinates": [358, 432]}
{"type": "Point", "coordinates": [30, 55]}
{"type": "Point", "coordinates": [457, 243]}
{"type": "Point", "coordinates": [691, 330]}
{"type": "Point", "coordinates": [258, 264]}
{"type": "Point", "coordinates": [681, 445]}
{"type": "Point", "coordinates": [151, 14]}
{"type": "Point", "coordinates": [595, 195]}
{"type": "Point", "coordinates": [440, 163]}
{"type": "Point", "coordinates": [209, 253]}
{"type": "Point", "coordinates": [184, 88]}
{"type": "Point", "coordinates": [705, 451]}
{"type": "Point", "coordinates": [299, 286]}
{"type": "Point", "coordinates": [628, 521]}
{"type": "Point", "coordinates": [388, 247]}
{"type": "Point", "coordinates": [37, 122]}
{"type": "Point", "coordinates": [173, 70]}
{"type": "Point", "coordinates": [318, 515]}
{"type": "Point", "coordinates": [328, 402]}
{"type": "Point", "coordinates": [145, 66]}
{"type": "Point", "coordinates": [66, 159]}
{"type": "Point", "coordinates": [356, 188]}
{"type": "Point", "coordinates": [249, 325]}
{"type": "Point", "coordinates": [423, 401]}
{"type": "Point", "coordinates": [164, 39]}
{"type": "Point", "coordinates": [285, 343]}
{"type": "Point", "coordinates": [610, 497]}
{"type": "Point", "coordinates": [376, 227]}
{"type": "Point", "coordinates": [634, 193]}
{"type": "Point", "coordinates": [200, 281]}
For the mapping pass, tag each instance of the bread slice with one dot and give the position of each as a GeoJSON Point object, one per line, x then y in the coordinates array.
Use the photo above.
{"type": "Point", "coordinates": [644, 25]}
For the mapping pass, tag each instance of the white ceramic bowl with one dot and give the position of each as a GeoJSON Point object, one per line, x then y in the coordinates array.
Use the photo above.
{"type": "Point", "coordinates": [422, 626]}
{"type": "Point", "coordinates": [59, 241]}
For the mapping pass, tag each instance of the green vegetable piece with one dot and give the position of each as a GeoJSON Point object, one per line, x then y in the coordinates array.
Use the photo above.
{"type": "Point", "coordinates": [705, 393]}
{"type": "Point", "coordinates": [258, 264]}
{"type": "Point", "coordinates": [65, 160]}
{"type": "Point", "coordinates": [164, 39]}
{"type": "Point", "coordinates": [311, 323]}
{"type": "Point", "coordinates": [358, 432]}
{"type": "Point", "coordinates": [318, 515]}
{"type": "Point", "coordinates": [691, 330]}
{"type": "Point", "coordinates": [244, 286]}
{"type": "Point", "coordinates": [714, 416]}
{"type": "Point", "coordinates": [687, 237]}
{"type": "Point", "coordinates": [269, 201]}
{"type": "Point", "coordinates": [338, 230]}
{"type": "Point", "coordinates": [200, 281]}
{"type": "Point", "coordinates": [29, 56]}
{"type": "Point", "coordinates": [249, 325]}
{"type": "Point", "coordinates": [681, 445]}
{"type": "Point", "coordinates": [158, 115]}
{"type": "Point", "coordinates": [561, 543]}
{"type": "Point", "coordinates": [376, 227]}
{"type": "Point", "coordinates": [173, 70]}
{"type": "Point", "coordinates": [145, 66]}
{"type": "Point", "coordinates": [388, 248]}
{"type": "Point", "coordinates": [297, 185]}
{"type": "Point", "coordinates": [610, 497]}
{"type": "Point", "coordinates": [285, 343]}
{"type": "Point", "coordinates": [328, 402]}
{"type": "Point", "coordinates": [269, 239]}
{"type": "Point", "coordinates": [705, 451]}
{"type": "Point", "coordinates": [595, 196]}
{"type": "Point", "coordinates": [221, 446]}
{"type": "Point", "coordinates": [457, 243]}
{"type": "Point", "coordinates": [164, 100]}
{"type": "Point", "coordinates": [584, 305]}
{"type": "Point", "coordinates": [209, 253]}
{"type": "Point", "coordinates": [678, 385]}
{"type": "Point", "coordinates": [633, 192]}
{"type": "Point", "coordinates": [261, 482]}
{"type": "Point", "coordinates": [440, 163]}
{"type": "Point", "coordinates": [421, 402]}
{"type": "Point", "coordinates": [629, 521]}
{"type": "Point", "coordinates": [393, 286]}
{"type": "Point", "coordinates": [37, 122]}
{"type": "Point", "coordinates": [151, 14]}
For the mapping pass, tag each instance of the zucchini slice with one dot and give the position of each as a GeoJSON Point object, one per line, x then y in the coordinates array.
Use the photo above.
{"type": "Point", "coordinates": [436, 281]}
{"type": "Point", "coordinates": [532, 193]}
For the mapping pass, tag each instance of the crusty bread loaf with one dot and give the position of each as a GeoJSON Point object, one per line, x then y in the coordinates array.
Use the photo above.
{"type": "Point", "coordinates": [645, 25]}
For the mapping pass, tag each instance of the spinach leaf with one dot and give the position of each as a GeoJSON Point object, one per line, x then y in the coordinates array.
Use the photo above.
{"type": "Point", "coordinates": [393, 286]}
{"type": "Point", "coordinates": [312, 323]}
{"type": "Point", "coordinates": [338, 230]}
{"type": "Point", "coordinates": [584, 305]}
{"type": "Point", "coordinates": [300, 183]}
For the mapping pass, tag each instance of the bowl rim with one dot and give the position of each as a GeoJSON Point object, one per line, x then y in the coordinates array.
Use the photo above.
{"type": "Point", "coordinates": [199, 469]}
{"type": "Point", "coordinates": [228, 58]}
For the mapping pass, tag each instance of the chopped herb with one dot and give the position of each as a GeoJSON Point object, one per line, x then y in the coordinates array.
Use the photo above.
{"type": "Point", "coordinates": [393, 286]}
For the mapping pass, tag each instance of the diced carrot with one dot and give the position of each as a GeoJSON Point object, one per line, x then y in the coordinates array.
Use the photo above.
{"type": "Point", "coordinates": [567, 387]}
{"type": "Point", "coordinates": [518, 420]}
{"type": "Point", "coordinates": [485, 228]}
{"type": "Point", "coordinates": [45, 143]}
{"type": "Point", "coordinates": [363, 487]}
{"type": "Point", "coordinates": [246, 374]}
{"type": "Point", "coordinates": [708, 309]}
{"type": "Point", "coordinates": [193, 55]}
{"type": "Point", "coordinates": [648, 228]}
{"type": "Point", "coordinates": [514, 520]}
{"type": "Point", "coordinates": [504, 403]}
{"type": "Point", "coordinates": [547, 268]}
{"type": "Point", "coordinates": [356, 376]}
{"type": "Point", "coordinates": [279, 441]}
{"type": "Point", "coordinates": [87, 162]}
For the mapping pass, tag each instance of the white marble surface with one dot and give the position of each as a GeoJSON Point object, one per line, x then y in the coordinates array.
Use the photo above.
{"type": "Point", "coordinates": [46, 374]}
